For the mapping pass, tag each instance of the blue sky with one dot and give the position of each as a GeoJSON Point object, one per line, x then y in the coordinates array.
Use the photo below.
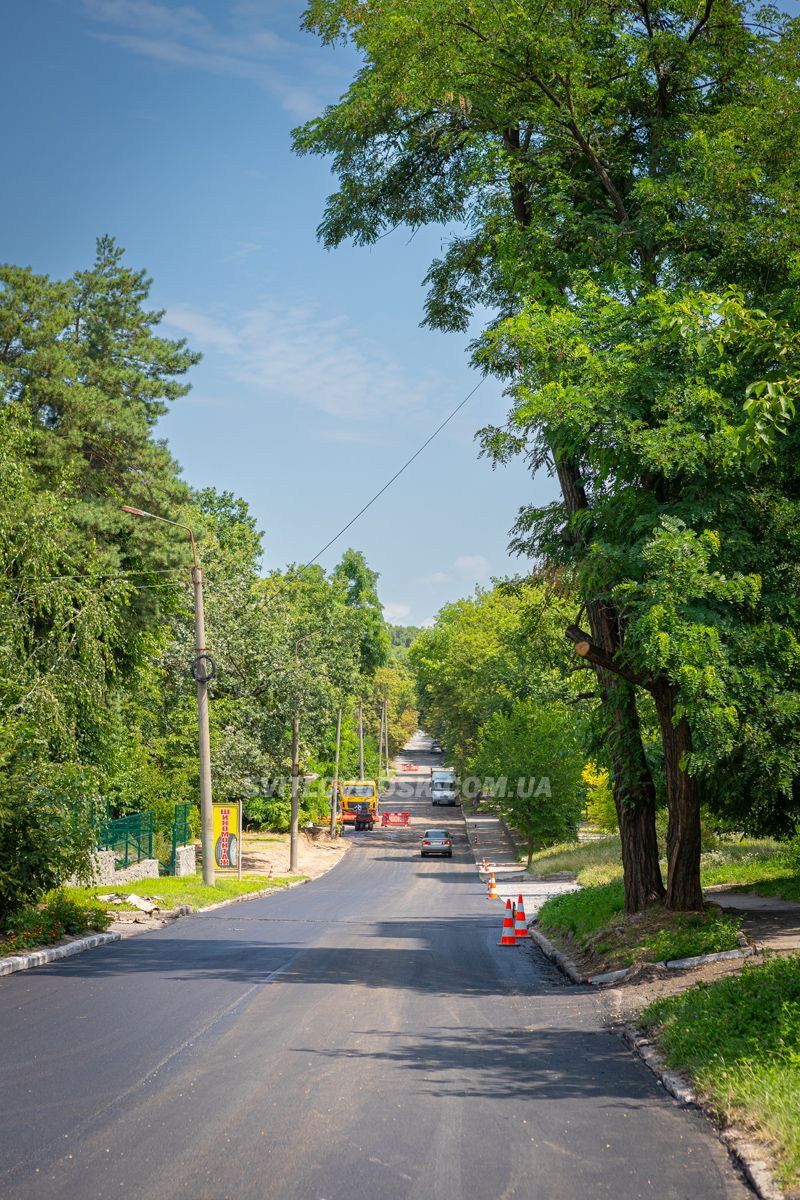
{"type": "Point", "coordinates": [168, 125]}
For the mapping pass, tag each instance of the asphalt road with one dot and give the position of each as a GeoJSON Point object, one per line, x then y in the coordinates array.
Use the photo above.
{"type": "Point", "coordinates": [362, 1037]}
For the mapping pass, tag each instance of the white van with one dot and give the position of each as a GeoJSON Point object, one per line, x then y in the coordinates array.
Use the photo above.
{"type": "Point", "coordinates": [443, 787]}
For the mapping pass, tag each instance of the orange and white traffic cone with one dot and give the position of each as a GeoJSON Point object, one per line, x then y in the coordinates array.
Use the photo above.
{"type": "Point", "coordinates": [270, 871]}
{"type": "Point", "coordinates": [507, 937]}
{"type": "Point", "coordinates": [492, 892]}
{"type": "Point", "coordinates": [520, 925]}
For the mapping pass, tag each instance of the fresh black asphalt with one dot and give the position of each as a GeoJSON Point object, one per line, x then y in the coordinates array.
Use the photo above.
{"type": "Point", "coordinates": [362, 1037]}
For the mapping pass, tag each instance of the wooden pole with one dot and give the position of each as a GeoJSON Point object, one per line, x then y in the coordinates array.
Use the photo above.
{"type": "Point", "coordinates": [295, 826]}
{"type": "Point", "coordinates": [335, 789]}
{"type": "Point", "coordinates": [361, 739]}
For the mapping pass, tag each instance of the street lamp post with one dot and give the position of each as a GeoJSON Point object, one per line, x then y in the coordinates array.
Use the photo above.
{"type": "Point", "coordinates": [201, 675]}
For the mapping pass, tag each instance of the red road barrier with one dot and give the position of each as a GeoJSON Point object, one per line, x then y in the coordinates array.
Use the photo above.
{"type": "Point", "coordinates": [394, 818]}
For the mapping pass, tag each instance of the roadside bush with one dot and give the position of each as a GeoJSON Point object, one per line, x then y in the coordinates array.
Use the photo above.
{"type": "Point", "coordinates": [43, 840]}
{"type": "Point", "coordinates": [600, 807]}
{"type": "Point", "coordinates": [791, 853]}
{"type": "Point", "coordinates": [263, 812]}
{"type": "Point", "coordinates": [41, 925]}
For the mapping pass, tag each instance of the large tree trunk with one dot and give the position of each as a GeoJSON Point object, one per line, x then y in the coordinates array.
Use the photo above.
{"type": "Point", "coordinates": [635, 800]}
{"type": "Point", "coordinates": [631, 779]}
{"type": "Point", "coordinates": [684, 893]}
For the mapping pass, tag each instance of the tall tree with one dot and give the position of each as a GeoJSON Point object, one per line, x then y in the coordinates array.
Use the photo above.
{"type": "Point", "coordinates": [634, 143]}
{"type": "Point", "coordinates": [361, 594]}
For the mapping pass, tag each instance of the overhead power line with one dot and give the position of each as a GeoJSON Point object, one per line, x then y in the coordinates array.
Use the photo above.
{"type": "Point", "coordinates": [396, 475]}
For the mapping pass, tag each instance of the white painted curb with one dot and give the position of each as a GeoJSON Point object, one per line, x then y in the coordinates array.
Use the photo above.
{"type": "Point", "coordinates": [38, 958]}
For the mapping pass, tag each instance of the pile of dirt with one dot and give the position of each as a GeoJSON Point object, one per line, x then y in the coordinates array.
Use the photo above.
{"type": "Point", "coordinates": [315, 856]}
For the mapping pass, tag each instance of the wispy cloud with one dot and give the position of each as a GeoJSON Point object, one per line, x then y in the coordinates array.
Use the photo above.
{"type": "Point", "coordinates": [298, 354]}
{"type": "Point", "coordinates": [474, 565]}
{"type": "Point", "coordinates": [241, 45]}
{"type": "Point", "coordinates": [396, 612]}
{"type": "Point", "coordinates": [437, 579]}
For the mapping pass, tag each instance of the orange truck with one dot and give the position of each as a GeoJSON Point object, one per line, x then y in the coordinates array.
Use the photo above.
{"type": "Point", "coordinates": [359, 803]}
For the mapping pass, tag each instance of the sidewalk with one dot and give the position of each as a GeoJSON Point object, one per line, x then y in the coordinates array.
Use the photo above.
{"type": "Point", "coordinates": [770, 923]}
{"type": "Point", "coordinates": [490, 839]}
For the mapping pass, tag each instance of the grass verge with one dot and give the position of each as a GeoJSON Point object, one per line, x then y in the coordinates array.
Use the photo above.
{"type": "Point", "coordinates": [593, 920]}
{"type": "Point", "coordinates": [592, 863]}
{"type": "Point", "coordinates": [187, 889]}
{"type": "Point", "coordinates": [739, 1040]}
{"type": "Point", "coordinates": [754, 865]}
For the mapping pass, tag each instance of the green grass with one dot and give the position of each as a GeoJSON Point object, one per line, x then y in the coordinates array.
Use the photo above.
{"type": "Point", "coordinates": [594, 918]}
{"type": "Point", "coordinates": [184, 890]}
{"type": "Point", "coordinates": [739, 1039]}
{"type": "Point", "coordinates": [754, 865]}
{"type": "Point", "coordinates": [582, 913]}
{"type": "Point", "coordinates": [690, 934]}
{"type": "Point", "coordinates": [591, 863]}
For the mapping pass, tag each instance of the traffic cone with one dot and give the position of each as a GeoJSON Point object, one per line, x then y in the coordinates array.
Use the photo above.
{"type": "Point", "coordinates": [270, 871]}
{"type": "Point", "coordinates": [492, 892]}
{"type": "Point", "coordinates": [520, 927]}
{"type": "Point", "coordinates": [507, 937]}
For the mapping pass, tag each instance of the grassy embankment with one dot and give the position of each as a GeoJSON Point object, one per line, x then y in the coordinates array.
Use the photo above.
{"type": "Point", "coordinates": [739, 1040]}
{"type": "Point", "coordinates": [592, 921]}
{"type": "Point", "coordinates": [185, 890]}
{"type": "Point", "coordinates": [752, 865]}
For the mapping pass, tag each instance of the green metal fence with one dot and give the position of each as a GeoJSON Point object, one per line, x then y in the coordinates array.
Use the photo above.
{"type": "Point", "coordinates": [131, 838]}
{"type": "Point", "coordinates": [181, 831]}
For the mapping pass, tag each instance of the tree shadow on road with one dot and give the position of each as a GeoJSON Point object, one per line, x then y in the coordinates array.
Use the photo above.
{"type": "Point", "coordinates": [517, 1063]}
{"type": "Point", "coordinates": [456, 956]}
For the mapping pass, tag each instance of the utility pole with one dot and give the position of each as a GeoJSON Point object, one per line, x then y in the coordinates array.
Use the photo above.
{"type": "Point", "coordinates": [361, 739]}
{"type": "Point", "coordinates": [295, 826]}
{"type": "Point", "coordinates": [386, 733]}
{"type": "Point", "coordinates": [335, 789]}
{"type": "Point", "coordinates": [203, 669]}
{"type": "Point", "coordinates": [204, 745]}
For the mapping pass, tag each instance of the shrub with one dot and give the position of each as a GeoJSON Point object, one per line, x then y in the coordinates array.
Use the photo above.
{"type": "Point", "coordinates": [41, 925]}
{"type": "Point", "coordinates": [43, 840]}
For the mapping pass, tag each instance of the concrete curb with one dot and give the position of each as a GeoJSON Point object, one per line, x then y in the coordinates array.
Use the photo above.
{"type": "Point", "coordinates": [39, 958]}
{"type": "Point", "coordinates": [745, 1152]}
{"type": "Point", "coordinates": [565, 963]}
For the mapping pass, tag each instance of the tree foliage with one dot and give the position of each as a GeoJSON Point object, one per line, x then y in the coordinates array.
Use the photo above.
{"type": "Point", "coordinates": [621, 182]}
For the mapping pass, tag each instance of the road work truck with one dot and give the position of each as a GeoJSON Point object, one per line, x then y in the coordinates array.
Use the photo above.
{"type": "Point", "coordinates": [359, 804]}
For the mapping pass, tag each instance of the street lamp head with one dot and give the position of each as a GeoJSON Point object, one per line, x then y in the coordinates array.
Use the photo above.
{"type": "Point", "coordinates": [140, 512]}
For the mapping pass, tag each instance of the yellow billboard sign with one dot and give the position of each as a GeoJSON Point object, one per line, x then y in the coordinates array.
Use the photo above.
{"type": "Point", "coordinates": [228, 837]}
